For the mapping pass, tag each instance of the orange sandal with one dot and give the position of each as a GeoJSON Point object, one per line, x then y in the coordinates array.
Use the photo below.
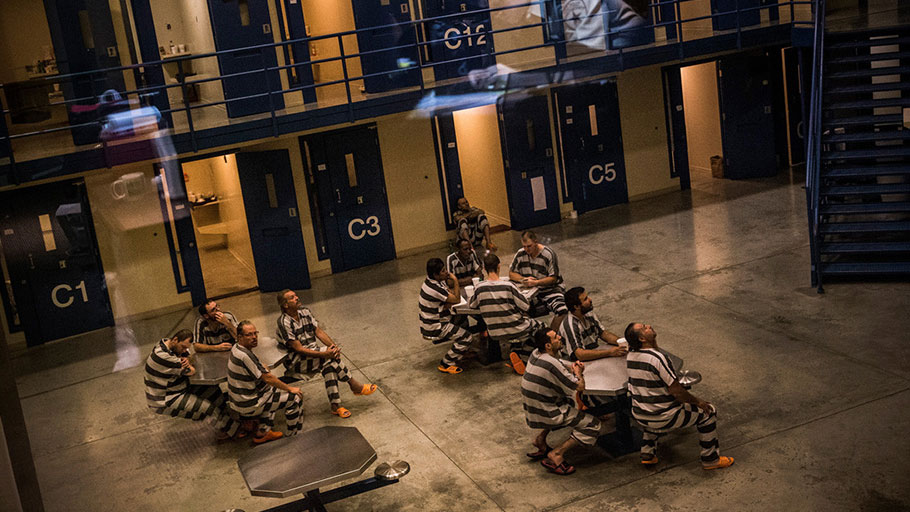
{"type": "Point", "coordinates": [341, 412]}
{"type": "Point", "coordinates": [368, 389]}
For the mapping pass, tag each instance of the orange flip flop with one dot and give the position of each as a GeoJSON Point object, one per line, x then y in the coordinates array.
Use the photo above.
{"type": "Point", "coordinates": [341, 412]}
{"type": "Point", "coordinates": [368, 389]}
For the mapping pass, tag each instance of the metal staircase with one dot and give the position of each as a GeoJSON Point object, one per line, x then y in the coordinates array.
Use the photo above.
{"type": "Point", "coordinates": [858, 181]}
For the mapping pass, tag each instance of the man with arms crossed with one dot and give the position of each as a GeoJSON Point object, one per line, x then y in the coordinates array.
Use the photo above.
{"type": "Point", "coordinates": [255, 391]}
{"type": "Point", "coordinates": [472, 224]}
{"type": "Point", "coordinates": [298, 333]}
{"type": "Point", "coordinates": [661, 404]}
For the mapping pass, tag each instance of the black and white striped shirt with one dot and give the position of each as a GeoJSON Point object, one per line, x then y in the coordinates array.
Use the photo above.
{"type": "Point", "coordinates": [542, 266]}
{"type": "Point", "coordinates": [165, 379]}
{"type": "Point", "coordinates": [205, 334]}
{"type": "Point", "coordinates": [462, 269]}
{"type": "Point", "coordinates": [650, 376]}
{"type": "Point", "coordinates": [504, 309]}
{"type": "Point", "coordinates": [302, 330]}
{"type": "Point", "coordinates": [246, 389]}
{"type": "Point", "coordinates": [474, 223]}
{"type": "Point", "coordinates": [584, 333]}
{"type": "Point", "coordinates": [548, 391]}
{"type": "Point", "coordinates": [433, 313]}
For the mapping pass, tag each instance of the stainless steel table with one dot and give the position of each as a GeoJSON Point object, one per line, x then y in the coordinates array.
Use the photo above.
{"type": "Point", "coordinates": [211, 367]}
{"type": "Point", "coordinates": [307, 461]}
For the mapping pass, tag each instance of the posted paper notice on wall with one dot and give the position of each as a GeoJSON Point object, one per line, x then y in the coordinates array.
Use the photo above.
{"type": "Point", "coordinates": [539, 193]}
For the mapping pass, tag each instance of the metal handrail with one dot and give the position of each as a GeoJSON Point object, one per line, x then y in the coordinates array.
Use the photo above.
{"type": "Point", "coordinates": [187, 109]}
{"type": "Point", "coordinates": [813, 143]}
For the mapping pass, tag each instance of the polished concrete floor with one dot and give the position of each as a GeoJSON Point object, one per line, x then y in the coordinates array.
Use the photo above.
{"type": "Point", "coordinates": [813, 391]}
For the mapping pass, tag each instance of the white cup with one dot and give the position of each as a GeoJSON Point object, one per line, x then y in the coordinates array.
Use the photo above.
{"type": "Point", "coordinates": [622, 342]}
{"type": "Point", "coordinates": [129, 186]}
{"type": "Point", "coordinates": [475, 280]}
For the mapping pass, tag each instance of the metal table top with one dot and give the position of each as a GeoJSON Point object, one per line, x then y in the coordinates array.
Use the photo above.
{"type": "Point", "coordinates": [609, 376]}
{"type": "Point", "coordinates": [468, 291]}
{"type": "Point", "coordinates": [307, 461]}
{"type": "Point", "coordinates": [211, 367]}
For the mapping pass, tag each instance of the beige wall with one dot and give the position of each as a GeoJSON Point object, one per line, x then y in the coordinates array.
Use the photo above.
{"type": "Point", "coordinates": [532, 36]}
{"type": "Point", "coordinates": [700, 103]}
{"type": "Point", "coordinates": [330, 17]}
{"type": "Point", "coordinates": [644, 132]}
{"type": "Point", "coordinates": [23, 35]}
{"type": "Point", "coordinates": [480, 157]}
{"type": "Point", "coordinates": [230, 203]}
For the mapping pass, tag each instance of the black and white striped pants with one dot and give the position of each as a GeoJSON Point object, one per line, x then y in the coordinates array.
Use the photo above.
{"type": "Point", "coordinates": [333, 371]}
{"type": "Point", "coordinates": [281, 400]}
{"type": "Point", "coordinates": [686, 416]}
{"type": "Point", "coordinates": [199, 403]}
{"type": "Point", "coordinates": [554, 299]}
{"type": "Point", "coordinates": [461, 339]}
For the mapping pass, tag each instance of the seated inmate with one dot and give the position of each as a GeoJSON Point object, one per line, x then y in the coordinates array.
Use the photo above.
{"type": "Point", "coordinates": [168, 391]}
{"type": "Point", "coordinates": [535, 264]}
{"type": "Point", "coordinates": [254, 391]}
{"type": "Point", "coordinates": [472, 224]}
{"type": "Point", "coordinates": [548, 390]}
{"type": "Point", "coordinates": [661, 404]}
{"type": "Point", "coordinates": [300, 335]}
{"type": "Point", "coordinates": [215, 330]}
{"type": "Point", "coordinates": [464, 263]}
{"type": "Point", "coordinates": [505, 311]}
{"type": "Point", "coordinates": [437, 323]}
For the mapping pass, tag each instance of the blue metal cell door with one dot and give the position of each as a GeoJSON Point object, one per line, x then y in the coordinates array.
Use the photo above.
{"type": "Point", "coordinates": [270, 203]}
{"type": "Point", "coordinates": [351, 190]}
{"type": "Point", "coordinates": [56, 278]}
{"type": "Point", "coordinates": [728, 14]}
{"type": "Point", "coordinates": [747, 120]}
{"type": "Point", "coordinates": [298, 53]}
{"type": "Point", "coordinates": [591, 138]}
{"type": "Point", "coordinates": [460, 40]}
{"type": "Point", "coordinates": [450, 180]}
{"type": "Point", "coordinates": [242, 24]}
{"type": "Point", "coordinates": [527, 150]}
{"type": "Point", "coordinates": [677, 140]}
{"type": "Point", "coordinates": [83, 37]}
{"type": "Point", "coordinates": [392, 45]}
{"type": "Point", "coordinates": [178, 228]}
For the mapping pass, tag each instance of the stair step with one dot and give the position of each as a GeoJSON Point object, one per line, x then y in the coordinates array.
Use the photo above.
{"type": "Point", "coordinates": [878, 188]}
{"type": "Point", "coordinates": [850, 89]}
{"type": "Point", "coordinates": [865, 208]}
{"type": "Point", "coordinates": [883, 152]}
{"type": "Point", "coordinates": [891, 70]}
{"type": "Point", "coordinates": [879, 103]}
{"type": "Point", "coordinates": [863, 247]}
{"type": "Point", "coordinates": [867, 43]}
{"type": "Point", "coordinates": [868, 58]}
{"type": "Point", "coordinates": [845, 171]}
{"type": "Point", "coordinates": [864, 227]}
{"type": "Point", "coordinates": [867, 136]}
{"type": "Point", "coordinates": [864, 268]}
{"type": "Point", "coordinates": [892, 119]}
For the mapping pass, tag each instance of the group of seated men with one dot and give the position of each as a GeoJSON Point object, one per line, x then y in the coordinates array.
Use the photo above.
{"type": "Point", "coordinates": [553, 376]}
{"type": "Point", "coordinates": [253, 391]}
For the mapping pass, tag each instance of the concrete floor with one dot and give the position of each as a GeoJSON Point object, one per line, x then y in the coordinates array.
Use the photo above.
{"type": "Point", "coordinates": [812, 390]}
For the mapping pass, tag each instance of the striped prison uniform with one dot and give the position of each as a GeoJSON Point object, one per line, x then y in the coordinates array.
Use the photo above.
{"type": "Point", "coordinates": [168, 392]}
{"type": "Point", "coordinates": [548, 395]}
{"type": "Point", "coordinates": [474, 222]}
{"type": "Point", "coordinates": [585, 334]}
{"type": "Point", "coordinates": [542, 266]}
{"type": "Point", "coordinates": [462, 269]}
{"type": "Point", "coordinates": [250, 395]}
{"type": "Point", "coordinates": [650, 375]}
{"type": "Point", "coordinates": [297, 365]}
{"type": "Point", "coordinates": [505, 311]}
{"type": "Point", "coordinates": [436, 322]}
{"type": "Point", "coordinates": [205, 334]}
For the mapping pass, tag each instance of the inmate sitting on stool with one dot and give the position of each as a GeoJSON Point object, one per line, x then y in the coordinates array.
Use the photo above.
{"type": "Point", "coordinates": [661, 404]}
{"type": "Point", "coordinates": [254, 391]}
{"type": "Point", "coordinates": [298, 333]}
{"type": "Point", "coordinates": [505, 311]}
{"type": "Point", "coordinates": [167, 388]}
{"type": "Point", "coordinates": [535, 264]}
{"type": "Point", "coordinates": [586, 340]}
{"type": "Point", "coordinates": [437, 323]}
{"type": "Point", "coordinates": [464, 263]}
{"type": "Point", "coordinates": [548, 389]}
{"type": "Point", "coordinates": [215, 330]}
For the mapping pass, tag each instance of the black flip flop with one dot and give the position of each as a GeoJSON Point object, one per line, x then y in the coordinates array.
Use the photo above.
{"type": "Point", "coordinates": [562, 469]}
{"type": "Point", "coordinates": [539, 454]}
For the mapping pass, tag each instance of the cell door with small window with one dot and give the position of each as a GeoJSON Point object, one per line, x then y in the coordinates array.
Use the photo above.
{"type": "Point", "coordinates": [56, 279]}
{"type": "Point", "coordinates": [459, 39]}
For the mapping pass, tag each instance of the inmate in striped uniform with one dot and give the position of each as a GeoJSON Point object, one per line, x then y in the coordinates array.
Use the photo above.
{"type": "Point", "coordinates": [548, 396]}
{"type": "Point", "coordinates": [474, 222]}
{"type": "Point", "coordinates": [585, 334]}
{"type": "Point", "coordinates": [436, 321]}
{"type": "Point", "coordinates": [167, 391]}
{"type": "Point", "coordinates": [657, 410]}
{"type": "Point", "coordinates": [298, 365]}
{"type": "Point", "coordinates": [205, 334]}
{"type": "Point", "coordinates": [251, 396]}
{"type": "Point", "coordinates": [461, 269]}
{"type": "Point", "coordinates": [542, 266]}
{"type": "Point", "coordinates": [505, 311]}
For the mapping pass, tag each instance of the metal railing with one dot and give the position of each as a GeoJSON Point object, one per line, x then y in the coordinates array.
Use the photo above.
{"type": "Point", "coordinates": [813, 143]}
{"type": "Point", "coordinates": [551, 24]}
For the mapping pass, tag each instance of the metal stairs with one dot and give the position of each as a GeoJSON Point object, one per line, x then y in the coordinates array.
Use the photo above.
{"type": "Point", "coordinates": [862, 214]}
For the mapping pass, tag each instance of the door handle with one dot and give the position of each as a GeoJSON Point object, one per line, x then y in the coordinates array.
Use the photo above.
{"type": "Point", "coordinates": [338, 194]}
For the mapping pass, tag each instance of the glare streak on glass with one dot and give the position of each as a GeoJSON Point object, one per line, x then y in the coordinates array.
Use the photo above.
{"type": "Point", "coordinates": [592, 115]}
{"type": "Point", "coordinates": [352, 171]}
{"type": "Point", "coordinates": [47, 231]}
{"type": "Point", "coordinates": [270, 190]}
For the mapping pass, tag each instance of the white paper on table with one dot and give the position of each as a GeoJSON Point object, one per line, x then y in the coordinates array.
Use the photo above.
{"type": "Point", "coordinates": [539, 192]}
